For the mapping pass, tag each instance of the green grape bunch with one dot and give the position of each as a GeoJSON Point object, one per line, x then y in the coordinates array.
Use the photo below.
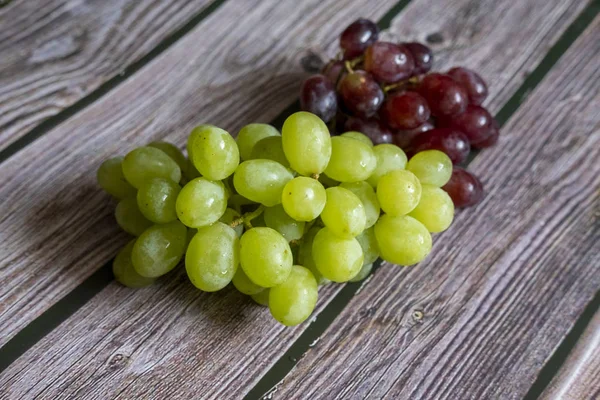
{"type": "Point", "coordinates": [275, 214]}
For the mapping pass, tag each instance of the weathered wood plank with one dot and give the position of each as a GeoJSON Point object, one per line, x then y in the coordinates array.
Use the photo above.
{"type": "Point", "coordinates": [579, 377]}
{"type": "Point", "coordinates": [503, 286]}
{"type": "Point", "coordinates": [55, 52]}
{"type": "Point", "coordinates": [169, 335]}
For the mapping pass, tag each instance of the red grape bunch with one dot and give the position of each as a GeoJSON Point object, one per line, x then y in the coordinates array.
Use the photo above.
{"type": "Point", "coordinates": [387, 91]}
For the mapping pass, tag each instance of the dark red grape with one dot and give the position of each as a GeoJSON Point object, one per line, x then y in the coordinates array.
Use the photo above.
{"type": "Point", "coordinates": [451, 141]}
{"type": "Point", "coordinates": [475, 122]}
{"type": "Point", "coordinates": [443, 94]}
{"type": "Point", "coordinates": [404, 139]}
{"type": "Point", "coordinates": [389, 62]}
{"type": "Point", "coordinates": [422, 55]}
{"type": "Point", "coordinates": [357, 37]}
{"type": "Point", "coordinates": [373, 128]}
{"type": "Point", "coordinates": [492, 138]}
{"type": "Point", "coordinates": [473, 83]}
{"type": "Point", "coordinates": [318, 96]}
{"type": "Point", "coordinates": [464, 188]}
{"type": "Point", "coordinates": [334, 70]}
{"type": "Point", "coordinates": [405, 111]}
{"type": "Point", "coordinates": [361, 94]}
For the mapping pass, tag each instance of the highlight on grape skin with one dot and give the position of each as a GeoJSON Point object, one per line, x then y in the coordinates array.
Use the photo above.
{"type": "Point", "coordinates": [366, 171]}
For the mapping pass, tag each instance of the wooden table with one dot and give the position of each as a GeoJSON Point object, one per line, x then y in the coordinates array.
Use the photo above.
{"type": "Point", "coordinates": [502, 309]}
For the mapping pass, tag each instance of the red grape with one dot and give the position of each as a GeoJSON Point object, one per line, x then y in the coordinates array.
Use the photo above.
{"type": "Point", "coordinates": [475, 122]}
{"type": "Point", "coordinates": [422, 55]}
{"type": "Point", "coordinates": [373, 128]}
{"type": "Point", "coordinates": [405, 111]}
{"type": "Point", "coordinates": [492, 138]}
{"type": "Point", "coordinates": [357, 37]}
{"type": "Point", "coordinates": [464, 188]}
{"type": "Point", "coordinates": [334, 70]}
{"type": "Point", "coordinates": [389, 62]}
{"type": "Point", "coordinates": [443, 94]}
{"type": "Point", "coordinates": [361, 94]}
{"type": "Point", "coordinates": [403, 139]}
{"type": "Point", "coordinates": [473, 83]}
{"type": "Point", "coordinates": [451, 141]}
{"type": "Point", "coordinates": [318, 97]}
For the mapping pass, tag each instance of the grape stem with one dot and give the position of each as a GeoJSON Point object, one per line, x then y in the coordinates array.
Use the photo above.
{"type": "Point", "coordinates": [246, 218]}
{"type": "Point", "coordinates": [315, 176]}
{"type": "Point", "coordinates": [350, 64]}
{"type": "Point", "coordinates": [412, 81]}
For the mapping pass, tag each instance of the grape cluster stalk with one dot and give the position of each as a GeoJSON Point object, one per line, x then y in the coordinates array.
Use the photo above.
{"type": "Point", "coordinates": [275, 214]}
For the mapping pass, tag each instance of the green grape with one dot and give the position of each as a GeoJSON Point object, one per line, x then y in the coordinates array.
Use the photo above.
{"type": "Point", "coordinates": [435, 209]}
{"type": "Point", "coordinates": [212, 257]}
{"type": "Point", "coordinates": [236, 201]}
{"type": "Point", "coordinates": [110, 178]}
{"type": "Point", "coordinates": [305, 257]}
{"type": "Point", "coordinates": [244, 285]}
{"type": "Point", "coordinates": [125, 273]}
{"type": "Point", "coordinates": [276, 218]}
{"type": "Point", "coordinates": [303, 198]}
{"type": "Point", "coordinates": [262, 298]}
{"type": "Point", "coordinates": [351, 160]}
{"type": "Point", "coordinates": [306, 143]}
{"type": "Point", "coordinates": [402, 240]}
{"type": "Point", "coordinates": [344, 213]}
{"type": "Point", "coordinates": [358, 136]}
{"type": "Point", "coordinates": [259, 222]}
{"type": "Point", "coordinates": [270, 148]}
{"type": "Point", "coordinates": [145, 163]}
{"type": "Point", "coordinates": [229, 216]}
{"type": "Point", "coordinates": [201, 202]}
{"type": "Point", "coordinates": [327, 182]}
{"type": "Point", "coordinates": [363, 273]}
{"type": "Point", "coordinates": [130, 218]}
{"type": "Point", "coordinates": [398, 192]}
{"type": "Point", "coordinates": [265, 256]}
{"type": "Point", "coordinates": [156, 200]}
{"type": "Point", "coordinates": [368, 244]}
{"type": "Point", "coordinates": [172, 151]}
{"type": "Point", "coordinates": [337, 259]}
{"type": "Point", "coordinates": [159, 249]}
{"type": "Point", "coordinates": [389, 158]}
{"type": "Point", "coordinates": [213, 152]}
{"type": "Point", "coordinates": [190, 171]}
{"type": "Point", "coordinates": [292, 302]}
{"type": "Point", "coordinates": [368, 198]}
{"type": "Point", "coordinates": [191, 232]}
{"type": "Point", "coordinates": [250, 135]}
{"type": "Point", "coordinates": [432, 167]}
{"type": "Point", "coordinates": [261, 181]}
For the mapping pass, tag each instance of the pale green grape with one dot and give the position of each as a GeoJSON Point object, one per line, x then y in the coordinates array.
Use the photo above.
{"type": "Point", "coordinates": [213, 152]}
{"type": "Point", "coordinates": [398, 192]}
{"type": "Point", "coordinates": [389, 158]}
{"type": "Point", "coordinates": [201, 202]}
{"type": "Point", "coordinates": [159, 249]}
{"type": "Point", "coordinates": [110, 178]}
{"type": "Point", "coordinates": [368, 198]}
{"type": "Point", "coordinates": [432, 167]}
{"type": "Point", "coordinates": [191, 232]}
{"type": "Point", "coordinates": [337, 259]}
{"type": "Point", "coordinates": [270, 148]}
{"type": "Point", "coordinates": [305, 257]}
{"type": "Point", "coordinates": [306, 143]}
{"type": "Point", "coordinates": [363, 273]}
{"type": "Point", "coordinates": [125, 273]}
{"type": "Point", "coordinates": [344, 213]}
{"type": "Point", "coordinates": [265, 256]}
{"type": "Point", "coordinates": [402, 240]}
{"type": "Point", "coordinates": [303, 198]}
{"type": "Point", "coordinates": [368, 244]}
{"type": "Point", "coordinates": [244, 285]}
{"type": "Point", "coordinates": [190, 171]}
{"type": "Point", "coordinates": [251, 134]}
{"type": "Point", "coordinates": [229, 216]}
{"type": "Point", "coordinates": [351, 160]}
{"type": "Point", "coordinates": [213, 257]}
{"type": "Point", "coordinates": [261, 298]}
{"type": "Point", "coordinates": [261, 181]}
{"type": "Point", "coordinates": [172, 151]}
{"type": "Point", "coordinates": [294, 300]}
{"type": "Point", "coordinates": [259, 221]}
{"type": "Point", "coordinates": [327, 181]}
{"type": "Point", "coordinates": [145, 163]}
{"type": "Point", "coordinates": [276, 218]}
{"type": "Point", "coordinates": [156, 200]}
{"type": "Point", "coordinates": [236, 201]}
{"type": "Point", "coordinates": [358, 136]}
{"type": "Point", "coordinates": [435, 209]}
{"type": "Point", "coordinates": [130, 218]}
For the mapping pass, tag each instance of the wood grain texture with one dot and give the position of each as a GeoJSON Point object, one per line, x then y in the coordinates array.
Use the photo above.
{"type": "Point", "coordinates": [131, 342]}
{"type": "Point", "coordinates": [55, 52]}
{"type": "Point", "coordinates": [579, 377]}
{"type": "Point", "coordinates": [503, 286]}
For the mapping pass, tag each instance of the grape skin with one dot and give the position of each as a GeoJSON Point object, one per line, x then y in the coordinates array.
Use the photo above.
{"type": "Point", "coordinates": [351, 160]}
{"type": "Point", "coordinates": [402, 239]}
{"type": "Point", "coordinates": [261, 181]}
{"type": "Point", "coordinates": [336, 258]}
{"type": "Point", "coordinates": [201, 202]}
{"type": "Point", "coordinates": [294, 300]}
{"type": "Point", "coordinates": [124, 272]}
{"type": "Point", "coordinates": [431, 167]}
{"type": "Point", "coordinates": [303, 198]}
{"type": "Point", "coordinates": [145, 163]}
{"type": "Point", "coordinates": [265, 256]}
{"type": "Point", "coordinates": [389, 158]}
{"type": "Point", "coordinates": [159, 249]}
{"type": "Point", "coordinates": [304, 133]}
{"type": "Point", "coordinates": [398, 192]}
{"type": "Point", "coordinates": [344, 213]}
{"type": "Point", "coordinates": [244, 285]}
{"type": "Point", "coordinates": [368, 198]}
{"type": "Point", "coordinates": [130, 218]}
{"type": "Point", "coordinates": [435, 209]}
{"type": "Point", "coordinates": [213, 152]}
{"type": "Point", "coordinates": [110, 178]}
{"type": "Point", "coordinates": [250, 135]}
